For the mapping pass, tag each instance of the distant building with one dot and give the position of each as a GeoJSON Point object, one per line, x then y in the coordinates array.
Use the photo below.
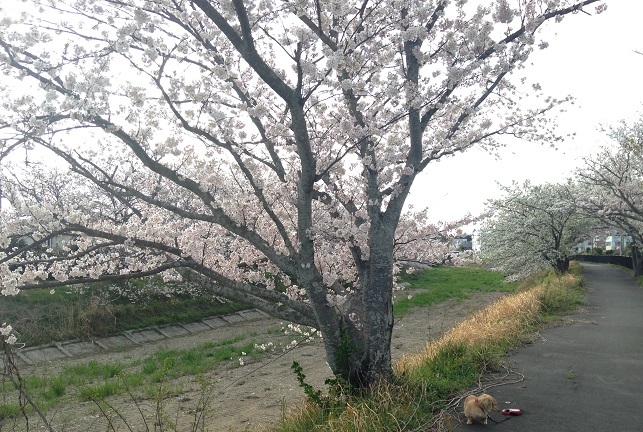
{"type": "Point", "coordinates": [56, 243]}
{"type": "Point", "coordinates": [617, 243]}
{"type": "Point", "coordinates": [590, 245]}
{"type": "Point", "coordinates": [462, 243]}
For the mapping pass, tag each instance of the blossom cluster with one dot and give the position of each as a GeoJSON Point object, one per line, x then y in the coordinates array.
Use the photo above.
{"type": "Point", "coordinates": [306, 332]}
{"type": "Point", "coordinates": [265, 346]}
{"type": "Point", "coordinates": [6, 330]}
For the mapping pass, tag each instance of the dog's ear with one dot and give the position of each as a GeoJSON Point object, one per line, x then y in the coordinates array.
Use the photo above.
{"type": "Point", "coordinates": [486, 404]}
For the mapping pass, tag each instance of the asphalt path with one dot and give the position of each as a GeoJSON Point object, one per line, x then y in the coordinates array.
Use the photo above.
{"type": "Point", "coordinates": [587, 376]}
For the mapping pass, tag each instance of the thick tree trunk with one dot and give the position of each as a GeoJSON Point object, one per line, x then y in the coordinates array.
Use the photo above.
{"type": "Point", "coordinates": [637, 261]}
{"type": "Point", "coordinates": [361, 355]}
{"type": "Point", "coordinates": [562, 264]}
{"type": "Point", "coordinates": [378, 292]}
{"type": "Point", "coordinates": [365, 355]}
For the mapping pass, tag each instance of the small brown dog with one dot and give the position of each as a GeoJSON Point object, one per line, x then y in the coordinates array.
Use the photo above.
{"type": "Point", "coordinates": [476, 408]}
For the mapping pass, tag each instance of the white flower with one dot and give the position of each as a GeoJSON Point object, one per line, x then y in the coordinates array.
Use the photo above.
{"type": "Point", "coordinates": [408, 171]}
{"type": "Point", "coordinates": [6, 329]}
{"type": "Point", "coordinates": [601, 8]}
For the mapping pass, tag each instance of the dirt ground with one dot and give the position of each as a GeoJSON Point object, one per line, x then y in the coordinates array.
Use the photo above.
{"type": "Point", "coordinates": [241, 398]}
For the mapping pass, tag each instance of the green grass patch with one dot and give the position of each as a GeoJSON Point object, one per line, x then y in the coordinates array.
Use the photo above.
{"type": "Point", "coordinates": [453, 369]}
{"type": "Point", "coordinates": [100, 391]}
{"type": "Point", "coordinates": [198, 360]}
{"type": "Point", "coordinates": [8, 410]}
{"type": "Point", "coordinates": [439, 284]}
{"type": "Point", "coordinates": [48, 388]}
{"type": "Point", "coordinates": [93, 370]}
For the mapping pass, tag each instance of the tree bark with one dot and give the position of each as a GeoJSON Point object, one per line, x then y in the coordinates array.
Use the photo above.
{"type": "Point", "coordinates": [562, 264]}
{"type": "Point", "coordinates": [379, 317]}
{"type": "Point", "coordinates": [359, 342]}
{"type": "Point", "coordinates": [637, 261]}
{"type": "Point", "coordinates": [368, 319]}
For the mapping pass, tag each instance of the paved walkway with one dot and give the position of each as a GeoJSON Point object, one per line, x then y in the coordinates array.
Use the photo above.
{"type": "Point", "coordinates": [128, 339]}
{"type": "Point", "coordinates": [587, 376]}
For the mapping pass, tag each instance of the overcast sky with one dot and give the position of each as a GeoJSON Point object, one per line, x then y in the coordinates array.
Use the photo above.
{"type": "Point", "coordinates": [589, 57]}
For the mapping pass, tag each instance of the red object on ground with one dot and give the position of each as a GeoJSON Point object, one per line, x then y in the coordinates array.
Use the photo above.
{"type": "Point", "coordinates": [511, 411]}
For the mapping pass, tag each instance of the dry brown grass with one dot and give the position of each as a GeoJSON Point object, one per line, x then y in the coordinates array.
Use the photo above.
{"type": "Point", "coordinates": [511, 315]}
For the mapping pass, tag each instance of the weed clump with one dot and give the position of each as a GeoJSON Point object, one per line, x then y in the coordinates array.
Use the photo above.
{"type": "Point", "coordinates": [561, 295]}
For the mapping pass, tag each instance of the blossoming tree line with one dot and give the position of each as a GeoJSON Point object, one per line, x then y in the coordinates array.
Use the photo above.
{"type": "Point", "coordinates": [263, 149]}
{"type": "Point", "coordinates": [536, 226]}
{"type": "Point", "coordinates": [533, 226]}
{"type": "Point", "coordinates": [612, 182]}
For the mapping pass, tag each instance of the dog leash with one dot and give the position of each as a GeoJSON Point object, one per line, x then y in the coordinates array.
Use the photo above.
{"type": "Point", "coordinates": [497, 422]}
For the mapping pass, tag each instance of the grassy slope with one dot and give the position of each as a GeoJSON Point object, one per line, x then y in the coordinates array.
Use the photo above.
{"type": "Point", "coordinates": [442, 283]}
{"type": "Point", "coordinates": [82, 313]}
{"type": "Point", "coordinates": [40, 316]}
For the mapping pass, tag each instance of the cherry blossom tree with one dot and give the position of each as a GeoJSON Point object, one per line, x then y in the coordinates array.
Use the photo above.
{"type": "Point", "coordinates": [261, 148]}
{"type": "Point", "coordinates": [533, 227]}
{"type": "Point", "coordinates": [613, 181]}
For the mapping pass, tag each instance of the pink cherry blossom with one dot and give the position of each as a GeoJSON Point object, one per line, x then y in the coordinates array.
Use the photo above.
{"type": "Point", "coordinates": [262, 151]}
